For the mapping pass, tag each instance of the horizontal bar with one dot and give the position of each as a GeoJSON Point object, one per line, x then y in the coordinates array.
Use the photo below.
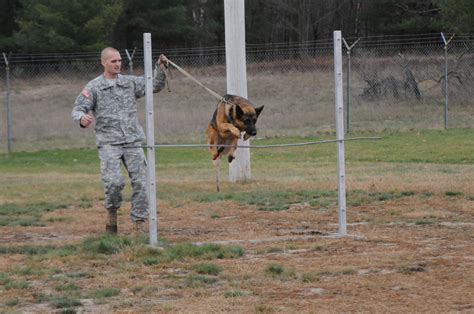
{"type": "Point", "coordinates": [263, 146]}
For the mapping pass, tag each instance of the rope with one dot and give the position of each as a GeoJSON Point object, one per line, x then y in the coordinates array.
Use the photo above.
{"type": "Point", "coordinates": [262, 146]}
{"type": "Point", "coordinates": [210, 91]}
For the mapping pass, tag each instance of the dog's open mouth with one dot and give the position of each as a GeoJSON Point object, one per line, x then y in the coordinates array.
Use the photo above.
{"type": "Point", "coordinates": [247, 136]}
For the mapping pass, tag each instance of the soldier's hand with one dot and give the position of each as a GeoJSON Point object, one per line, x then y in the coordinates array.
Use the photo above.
{"type": "Point", "coordinates": [86, 120]}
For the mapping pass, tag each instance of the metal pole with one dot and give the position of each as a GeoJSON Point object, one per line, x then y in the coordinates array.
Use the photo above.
{"type": "Point", "coordinates": [9, 112]}
{"type": "Point", "coordinates": [236, 71]}
{"type": "Point", "coordinates": [446, 79]}
{"type": "Point", "coordinates": [349, 89]}
{"type": "Point", "coordinates": [349, 82]}
{"type": "Point", "coordinates": [150, 138]}
{"type": "Point", "coordinates": [338, 89]}
{"type": "Point", "coordinates": [130, 60]}
{"type": "Point", "coordinates": [446, 99]}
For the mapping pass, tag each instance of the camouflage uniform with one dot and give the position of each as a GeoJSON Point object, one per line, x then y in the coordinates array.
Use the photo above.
{"type": "Point", "coordinates": [119, 135]}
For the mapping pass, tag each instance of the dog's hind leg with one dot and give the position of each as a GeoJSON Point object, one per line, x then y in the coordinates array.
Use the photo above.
{"type": "Point", "coordinates": [217, 165]}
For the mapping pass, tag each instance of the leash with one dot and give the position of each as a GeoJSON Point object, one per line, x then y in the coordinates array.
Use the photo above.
{"type": "Point", "coordinates": [195, 80]}
{"type": "Point", "coordinates": [230, 105]}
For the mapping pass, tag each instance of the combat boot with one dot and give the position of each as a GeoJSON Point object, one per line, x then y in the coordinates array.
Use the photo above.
{"type": "Point", "coordinates": [140, 227]}
{"type": "Point", "coordinates": [111, 226]}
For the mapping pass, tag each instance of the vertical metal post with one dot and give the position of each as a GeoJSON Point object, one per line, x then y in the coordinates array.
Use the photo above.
{"type": "Point", "coordinates": [349, 82]}
{"type": "Point", "coordinates": [130, 60]}
{"type": "Point", "coordinates": [236, 71]}
{"type": "Point", "coordinates": [8, 105]}
{"type": "Point", "coordinates": [446, 97]}
{"type": "Point", "coordinates": [349, 89]}
{"type": "Point", "coordinates": [150, 138]}
{"type": "Point", "coordinates": [446, 79]}
{"type": "Point", "coordinates": [338, 88]}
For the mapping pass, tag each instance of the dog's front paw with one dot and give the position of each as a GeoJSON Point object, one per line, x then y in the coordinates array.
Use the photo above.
{"type": "Point", "coordinates": [235, 132]}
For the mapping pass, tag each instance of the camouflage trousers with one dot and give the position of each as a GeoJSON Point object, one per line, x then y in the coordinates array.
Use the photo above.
{"type": "Point", "coordinates": [133, 159]}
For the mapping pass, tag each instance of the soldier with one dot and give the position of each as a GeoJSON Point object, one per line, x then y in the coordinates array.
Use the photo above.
{"type": "Point", "coordinates": [110, 99]}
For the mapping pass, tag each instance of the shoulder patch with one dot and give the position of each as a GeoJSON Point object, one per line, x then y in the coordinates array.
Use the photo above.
{"type": "Point", "coordinates": [85, 93]}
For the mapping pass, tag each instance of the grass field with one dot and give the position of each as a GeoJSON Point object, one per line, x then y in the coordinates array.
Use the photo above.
{"type": "Point", "coordinates": [267, 245]}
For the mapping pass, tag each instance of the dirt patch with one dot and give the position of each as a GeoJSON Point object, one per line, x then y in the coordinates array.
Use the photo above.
{"type": "Point", "coordinates": [413, 254]}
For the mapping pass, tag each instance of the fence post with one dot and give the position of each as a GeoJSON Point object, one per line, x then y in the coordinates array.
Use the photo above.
{"type": "Point", "coordinates": [349, 82]}
{"type": "Point", "coordinates": [338, 90]}
{"type": "Point", "coordinates": [130, 60]}
{"type": "Point", "coordinates": [236, 71]}
{"type": "Point", "coordinates": [150, 138]}
{"type": "Point", "coordinates": [446, 85]}
{"type": "Point", "coordinates": [8, 105]}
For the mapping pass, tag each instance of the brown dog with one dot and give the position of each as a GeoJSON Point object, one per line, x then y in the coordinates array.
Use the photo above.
{"type": "Point", "coordinates": [233, 115]}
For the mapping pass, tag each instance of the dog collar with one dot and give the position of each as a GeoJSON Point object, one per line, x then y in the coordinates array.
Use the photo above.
{"type": "Point", "coordinates": [229, 109]}
{"type": "Point", "coordinates": [230, 114]}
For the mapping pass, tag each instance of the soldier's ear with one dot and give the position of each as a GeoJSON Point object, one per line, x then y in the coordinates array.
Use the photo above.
{"type": "Point", "coordinates": [258, 110]}
{"type": "Point", "coordinates": [239, 112]}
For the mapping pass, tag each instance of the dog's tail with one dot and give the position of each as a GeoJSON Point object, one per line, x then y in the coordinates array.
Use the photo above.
{"type": "Point", "coordinates": [217, 165]}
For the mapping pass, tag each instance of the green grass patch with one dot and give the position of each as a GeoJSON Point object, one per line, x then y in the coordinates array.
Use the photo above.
{"type": "Point", "coordinates": [453, 146]}
{"type": "Point", "coordinates": [59, 219]}
{"type": "Point", "coordinates": [279, 272]}
{"type": "Point", "coordinates": [424, 222]}
{"type": "Point", "coordinates": [65, 160]}
{"type": "Point", "coordinates": [310, 277]}
{"type": "Point", "coordinates": [320, 248]}
{"type": "Point", "coordinates": [78, 274]}
{"type": "Point", "coordinates": [198, 281]}
{"type": "Point", "coordinates": [12, 302]}
{"type": "Point", "coordinates": [431, 146]}
{"type": "Point", "coordinates": [4, 279]}
{"type": "Point", "coordinates": [28, 249]}
{"type": "Point", "coordinates": [207, 251]}
{"type": "Point", "coordinates": [269, 250]}
{"type": "Point", "coordinates": [106, 244]}
{"type": "Point", "coordinates": [64, 302]}
{"type": "Point", "coordinates": [104, 293]}
{"type": "Point", "coordinates": [22, 284]}
{"type": "Point", "coordinates": [208, 269]}
{"type": "Point", "coordinates": [66, 287]}
{"type": "Point", "coordinates": [28, 271]}
{"type": "Point", "coordinates": [274, 269]}
{"type": "Point", "coordinates": [234, 294]}
{"type": "Point", "coordinates": [12, 214]}
{"type": "Point", "coordinates": [411, 269]}
{"type": "Point", "coordinates": [453, 193]}
{"type": "Point", "coordinates": [183, 251]}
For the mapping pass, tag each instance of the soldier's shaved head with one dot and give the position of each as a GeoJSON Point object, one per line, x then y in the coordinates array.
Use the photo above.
{"type": "Point", "coordinates": [106, 52]}
{"type": "Point", "coordinates": [111, 61]}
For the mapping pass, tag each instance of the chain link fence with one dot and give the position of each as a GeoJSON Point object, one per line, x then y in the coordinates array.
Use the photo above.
{"type": "Point", "coordinates": [395, 83]}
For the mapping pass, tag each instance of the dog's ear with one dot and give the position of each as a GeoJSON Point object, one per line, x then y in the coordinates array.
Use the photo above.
{"type": "Point", "coordinates": [258, 110]}
{"type": "Point", "coordinates": [239, 112]}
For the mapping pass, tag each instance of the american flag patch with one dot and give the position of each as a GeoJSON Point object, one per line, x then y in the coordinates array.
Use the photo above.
{"type": "Point", "coordinates": [85, 93]}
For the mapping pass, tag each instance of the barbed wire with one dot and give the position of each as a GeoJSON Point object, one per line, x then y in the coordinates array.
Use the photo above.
{"type": "Point", "coordinates": [374, 41]}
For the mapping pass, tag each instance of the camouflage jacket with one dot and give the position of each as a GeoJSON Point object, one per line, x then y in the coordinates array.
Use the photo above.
{"type": "Point", "coordinates": [114, 106]}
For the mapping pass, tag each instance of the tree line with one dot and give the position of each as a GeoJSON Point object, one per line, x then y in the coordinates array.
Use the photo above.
{"type": "Point", "coordinates": [44, 26]}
